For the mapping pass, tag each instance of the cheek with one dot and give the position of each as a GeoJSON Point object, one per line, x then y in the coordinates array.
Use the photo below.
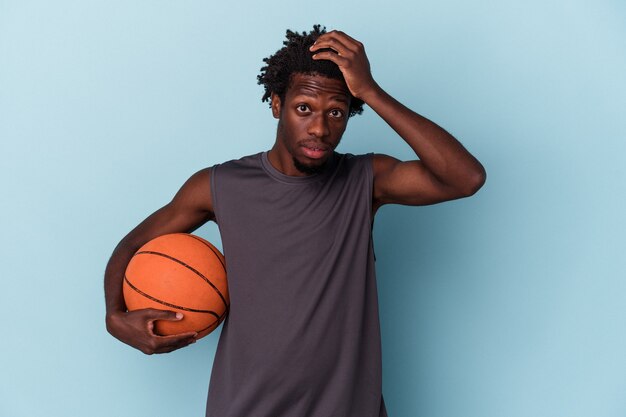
{"type": "Point", "coordinates": [295, 125]}
{"type": "Point", "coordinates": [289, 131]}
{"type": "Point", "coordinates": [339, 128]}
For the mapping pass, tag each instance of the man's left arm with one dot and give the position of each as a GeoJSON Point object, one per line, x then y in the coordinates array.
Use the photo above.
{"type": "Point", "coordinates": [445, 169]}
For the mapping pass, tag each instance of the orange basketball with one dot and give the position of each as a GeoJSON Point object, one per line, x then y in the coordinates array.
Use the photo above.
{"type": "Point", "coordinates": [179, 272]}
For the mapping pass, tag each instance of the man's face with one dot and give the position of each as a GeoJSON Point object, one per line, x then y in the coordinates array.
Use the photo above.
{"type": "Point", "coordinates": [311, 121]}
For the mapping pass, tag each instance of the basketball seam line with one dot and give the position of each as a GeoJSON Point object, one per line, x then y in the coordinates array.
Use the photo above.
{"type": "Point", "coordinates": [165, 303]}
{"type": "Point", "coordinates": [171, 258]}
{"type": "Point", "coordinates": [219, 256]}
{"type": "Point", "coordinates": [212, 249]}
{"type": "Point", "coordinates": [215, 323]}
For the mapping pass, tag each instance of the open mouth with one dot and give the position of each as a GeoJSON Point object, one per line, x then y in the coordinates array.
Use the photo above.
{"type": "Point", "coordinates": [314, 151]}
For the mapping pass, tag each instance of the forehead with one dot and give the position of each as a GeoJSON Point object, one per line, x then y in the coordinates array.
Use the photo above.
{"type": "Point", "coordinates": [317, 85]}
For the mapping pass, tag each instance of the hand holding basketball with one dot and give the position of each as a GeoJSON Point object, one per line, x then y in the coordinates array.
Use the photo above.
{"type": "Point", "coordinates": [136, 328]}
{"type": "Point", "coordinates": [183, 273]}
{"type": "Point", "coordinates": [175, 291]}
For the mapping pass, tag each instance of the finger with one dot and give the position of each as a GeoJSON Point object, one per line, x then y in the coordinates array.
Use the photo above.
{"type": "Point", "coordinates": [350, 38]}
{"type": "Point", "coordinates": [335, 43]}
{"type": "Point", "coordinates": [177, 338]}
{"type": "Point", "coordinates": [170, 343]}
{"type": "Point", "coordinates": [345, 39]}
{"type": "Point", "coordinates": [331, 56]}
{"type": "Point", "coordinates": [156, 314]}
{"type": "Point", "coordinates": [354, 46]}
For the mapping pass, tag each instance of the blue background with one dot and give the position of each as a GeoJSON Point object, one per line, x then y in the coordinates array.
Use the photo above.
{"type": "Point", "coordinates": [510, 303]}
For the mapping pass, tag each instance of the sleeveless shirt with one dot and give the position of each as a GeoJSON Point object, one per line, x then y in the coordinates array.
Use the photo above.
{"type": "Point", "coordinates": [302, 337]}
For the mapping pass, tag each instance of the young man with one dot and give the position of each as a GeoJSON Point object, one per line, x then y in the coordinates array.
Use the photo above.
{"type": "Point", "coordinates": [302, 337]}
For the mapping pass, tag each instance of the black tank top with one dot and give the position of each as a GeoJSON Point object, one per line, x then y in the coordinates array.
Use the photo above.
{"type": "Point", "coordinates": [302, 337]}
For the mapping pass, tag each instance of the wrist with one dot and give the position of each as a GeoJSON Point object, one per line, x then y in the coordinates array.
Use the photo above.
{"type": "Point", "coordinates": [371, 93]}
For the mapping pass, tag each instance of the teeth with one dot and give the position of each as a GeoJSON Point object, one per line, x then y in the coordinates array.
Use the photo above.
{"type": "Point", "coordinates": [315, 149]}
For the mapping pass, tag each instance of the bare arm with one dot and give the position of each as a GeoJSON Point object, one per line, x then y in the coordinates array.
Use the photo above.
{"type": "Point", "coordinates": [445, 169]}
{"type": "Point", "coordinates": [190, 208]}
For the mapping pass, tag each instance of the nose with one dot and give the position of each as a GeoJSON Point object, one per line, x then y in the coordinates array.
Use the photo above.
{"type": "Point", "coordinates": [318, 126]}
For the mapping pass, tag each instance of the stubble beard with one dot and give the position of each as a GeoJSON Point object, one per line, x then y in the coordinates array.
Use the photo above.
{"type": "Point", "coordinates": [309, 169]}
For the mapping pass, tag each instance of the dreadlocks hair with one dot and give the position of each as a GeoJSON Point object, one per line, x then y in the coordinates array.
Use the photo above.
{"type": "Point", "coordinates": [295, 57]}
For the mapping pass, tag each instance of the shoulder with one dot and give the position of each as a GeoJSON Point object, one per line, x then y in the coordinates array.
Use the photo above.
{"type": "Point", "coordinates": [382, 163]}
{"type": "Point", "coordinates": [355, 169]}
{"type": "Point", "coordinates": [199, 185]}
{"type": "Point", "coordinates": [243, 162]}
{"type": "Point", "coordinates": [358, 161]}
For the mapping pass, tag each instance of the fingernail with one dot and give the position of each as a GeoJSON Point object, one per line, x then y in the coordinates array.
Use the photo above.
{"type": "Point", "coordinates": [179, 316]}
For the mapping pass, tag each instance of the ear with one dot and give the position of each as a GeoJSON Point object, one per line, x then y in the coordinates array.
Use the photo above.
{"type": "Point", "coordinates": [276, 104]}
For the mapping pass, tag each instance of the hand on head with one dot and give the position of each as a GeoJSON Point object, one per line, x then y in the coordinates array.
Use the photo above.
{"type": "Point", "coordinates": [349, 55]}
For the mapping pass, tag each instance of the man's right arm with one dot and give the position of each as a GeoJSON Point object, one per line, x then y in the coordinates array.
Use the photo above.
{"type": "Point", "coordinates": [190, 208]}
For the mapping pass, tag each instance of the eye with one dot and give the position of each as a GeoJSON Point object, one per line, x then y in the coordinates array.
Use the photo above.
{"type": "Point", "coordinates": [302, 108]}
{"type": "Point", "coordinates": [336, 113]}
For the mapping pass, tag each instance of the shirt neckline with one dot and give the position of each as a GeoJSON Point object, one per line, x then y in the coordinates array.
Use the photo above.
{"type": "Point", "coordinates": [291, 179]}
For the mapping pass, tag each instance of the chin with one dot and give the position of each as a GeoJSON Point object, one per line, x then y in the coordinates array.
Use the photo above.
{"type": "Point", "coordinates": [308, 168]}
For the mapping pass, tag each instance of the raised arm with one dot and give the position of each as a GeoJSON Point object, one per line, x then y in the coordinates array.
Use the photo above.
{"type": "Point", "coordinates": [445, 169]}
{"type": "Point", "coordinates": [190, 208]}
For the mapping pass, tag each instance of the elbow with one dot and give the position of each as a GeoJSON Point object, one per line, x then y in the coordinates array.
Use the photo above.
{"type": "Point", "coordinates": [474, 182]}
